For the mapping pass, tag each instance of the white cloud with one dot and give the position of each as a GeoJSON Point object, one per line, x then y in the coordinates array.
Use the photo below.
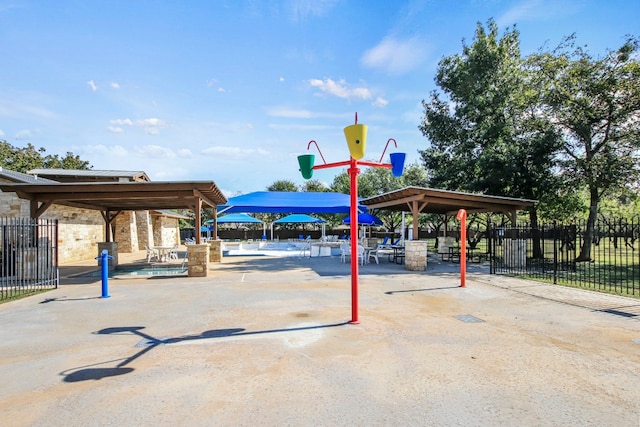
{"type": "Point", "coordinates": [281, 79]}
{"type": "Point", "coordinates": [23, 134]}
{"type": "Point", "coordinates": [103, 151]}
{"type": "Point", "coordinates": [184, 153]}
{"type": "Point", "coordinates": [380, 102]}
{"type": "Point", "coordinates": [233, 152]}
{"type": "Point", "coordinates": [1, 133]}
{"type": "Point", "coordinates": [151, 122]}
{"type": "Point", "coordinates": [396, 56]}
{"type": "Point", "coordinates": [150, 126]}
{"type": "Point", "coordinates": [121, 122]}
{"type": "Point", "coordinates": [19, 111]}
{"type": "Point", "coordinates": [299, 127]}
{"type": "Point", "coordinates": [300, 9]}
{"type": "Point", "coordinates": [222, 90]}
{"type": "Point", "coordinates": [155, 152]}
{"type": "Point", "coordinates": [92, 85]}
{"type": "Point", "coordinates": [115, 85]}
{"type": "Point", "coordinates": [289, 112]}
{"type": "Point", "coordinates": [341, 89]}
{"type": "Point", "coordinates": [531, 10]}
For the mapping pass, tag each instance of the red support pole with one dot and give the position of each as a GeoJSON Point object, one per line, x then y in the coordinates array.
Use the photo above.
{"type": "Point", "coordinates": [462, 217]}
{"type": "Point", "coordinates": [353, 174]}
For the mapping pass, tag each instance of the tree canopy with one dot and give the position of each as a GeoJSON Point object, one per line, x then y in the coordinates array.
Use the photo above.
{"type": "Point", "coordinates": [484, 133]}
{"type": "Point", "coordinates": [544, 127]}
{"type": "Point", "coordinates": [23, 159]}
{"type": "Point", "coordinates": [595, 104]}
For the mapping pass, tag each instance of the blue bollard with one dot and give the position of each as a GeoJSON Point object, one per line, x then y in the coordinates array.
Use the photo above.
{"type": "Point", "coordinates": [104, 260]}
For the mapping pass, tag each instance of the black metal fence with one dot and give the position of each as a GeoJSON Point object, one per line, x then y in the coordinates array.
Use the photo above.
{"type": "Point", "coordinates": [551, 253]}
{"type": "Point", "coordinates": [28, 256]}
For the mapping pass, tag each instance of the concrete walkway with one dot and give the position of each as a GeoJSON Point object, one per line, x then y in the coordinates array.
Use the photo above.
{"type": "Point", "coordinates": [266, 341]}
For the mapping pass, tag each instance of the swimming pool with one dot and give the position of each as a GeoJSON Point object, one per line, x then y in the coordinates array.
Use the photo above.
{"type": "Point", "coordinates": [280, 249]}
{"type": "Point", "coordinates": [139, 271]}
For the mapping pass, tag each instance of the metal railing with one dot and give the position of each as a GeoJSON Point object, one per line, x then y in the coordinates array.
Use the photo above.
{"type": "Point", "coordinates": [28, 256]}
{"type": "Point", "coordinates": [552, 253]}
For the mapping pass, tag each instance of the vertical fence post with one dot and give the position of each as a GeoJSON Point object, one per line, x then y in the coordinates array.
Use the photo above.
{"type": "Point", "coordinates": [555, 253]}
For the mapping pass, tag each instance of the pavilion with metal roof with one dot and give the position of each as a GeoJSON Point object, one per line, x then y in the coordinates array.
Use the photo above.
{"type": "Point", "coordinates": [416, 200]}
{"type": "Point", "coordinates": [111, 198]}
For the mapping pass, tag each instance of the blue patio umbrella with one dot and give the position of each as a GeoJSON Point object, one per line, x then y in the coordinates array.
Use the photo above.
{"type": "Point", "coordinates": [299, 218]}
{"type": "Point", "coordinates": [240, 218]}
{"type": "Point", "coordinates": [365, 219]}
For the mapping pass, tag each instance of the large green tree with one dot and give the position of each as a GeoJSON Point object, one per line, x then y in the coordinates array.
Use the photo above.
{"type": "Point", "coordinates": [595, 104]}
{"type": "Point", "coordinates": [283, 185]}
{"type": "Point", "coordinates": [484, 131]}
{"type": "Point", "coordinates": [23, 159]}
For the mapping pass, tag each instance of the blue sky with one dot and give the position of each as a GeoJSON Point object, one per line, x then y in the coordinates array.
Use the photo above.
{"type": "Point", "coordinates": [232, 91]}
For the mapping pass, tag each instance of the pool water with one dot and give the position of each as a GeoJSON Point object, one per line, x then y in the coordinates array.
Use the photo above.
{"type": "Point", "coordinates": [139, 271]}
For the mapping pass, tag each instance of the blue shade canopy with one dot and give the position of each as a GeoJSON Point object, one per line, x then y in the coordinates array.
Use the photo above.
{"type": "Point", "coordinates": [365, 219]}
{"type": "Point", "coordinates": [236, 218]}
{"type": "Point", "coordinates": [290, 203]}
{"type": "Point", "coordinates": [299, 218]}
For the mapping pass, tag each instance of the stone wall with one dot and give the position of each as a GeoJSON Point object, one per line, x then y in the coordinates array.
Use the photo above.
{"type": "Point", "coordinates": [166, 231]}
{"type": "Point", "coordinates": [12, 206]}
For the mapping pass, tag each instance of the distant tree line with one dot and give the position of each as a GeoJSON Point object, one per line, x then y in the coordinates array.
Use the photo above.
{"type": "Point", "coordinates": [23, 159]}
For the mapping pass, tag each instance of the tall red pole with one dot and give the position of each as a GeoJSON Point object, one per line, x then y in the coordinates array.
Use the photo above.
{"type": "Point", "coordinates": [462, 217]}
{"type": "Point", "coordinates": [353, 174]}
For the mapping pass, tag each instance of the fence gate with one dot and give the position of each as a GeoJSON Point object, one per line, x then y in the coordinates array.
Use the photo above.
{"type": "Point", "coordinates": [28, 256]}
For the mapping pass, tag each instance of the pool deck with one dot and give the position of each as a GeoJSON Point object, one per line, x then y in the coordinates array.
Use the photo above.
{"type": "Point", "coordinates": [267, 341]}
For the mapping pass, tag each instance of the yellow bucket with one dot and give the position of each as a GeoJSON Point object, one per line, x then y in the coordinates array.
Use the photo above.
{"type": "Point", "coordinates": [356, 140]}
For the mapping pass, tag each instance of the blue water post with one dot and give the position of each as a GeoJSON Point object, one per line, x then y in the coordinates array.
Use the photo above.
{"type": "Point", "coordinates": [104, 260]}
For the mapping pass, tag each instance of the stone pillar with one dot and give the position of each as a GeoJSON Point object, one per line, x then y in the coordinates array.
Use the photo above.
{"type": "Point", "coordinates": [112, 248]}
{"type": "Point", "coordinates": [198, 260]}
{"type": "Point", "coordinates": [126, 232]}
{"type": "Point", "coordinates": [415, 255]}
{"type": "Point", "coordinates": [145, 231]}
{"type": "Point", "coordinates": [215, 250]}
{"type": "Point", "coordinates": [515, 253]}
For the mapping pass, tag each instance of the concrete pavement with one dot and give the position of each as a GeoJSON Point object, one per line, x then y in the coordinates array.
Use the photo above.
{"type": "Point", "coordinates": [266, 341]}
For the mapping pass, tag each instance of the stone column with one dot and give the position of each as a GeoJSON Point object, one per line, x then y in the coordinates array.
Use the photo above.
{"type": "Point", "coordinates": [415, 255]}
{"type": "Point", "coordinates": [515, 253]}
{"type": "Point", "coordinates": [198, 260]}
{"type": "Point", "coordinates": [215, 250]}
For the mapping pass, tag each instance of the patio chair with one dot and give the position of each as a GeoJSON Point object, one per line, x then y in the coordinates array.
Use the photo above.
{"type": "Point", "coordinates": [373, 253]}
{"type": "Point", "coordinates": [345, 251]}
{"type": "Point", "coordinates": [361, 254]}
{"type": "Point", "coordinates": [152, 255]}
{"type": "Point", "coordinates": [173, 253]}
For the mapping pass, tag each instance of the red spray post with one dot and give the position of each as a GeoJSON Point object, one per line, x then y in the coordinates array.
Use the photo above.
{"type": "Point", "coordinates": [462, 217]}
